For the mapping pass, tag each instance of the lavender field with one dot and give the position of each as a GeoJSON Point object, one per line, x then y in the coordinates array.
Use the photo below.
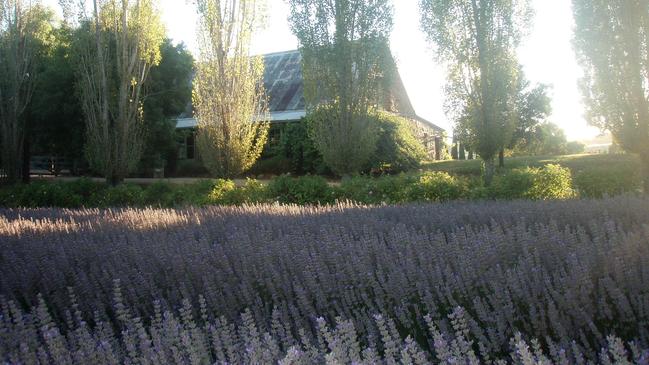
{"type": "Point", "coordinates": [485, 282]}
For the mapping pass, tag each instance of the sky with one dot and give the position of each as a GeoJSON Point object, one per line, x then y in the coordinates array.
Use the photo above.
{"type": "Point", "coordinates": [546, 55]}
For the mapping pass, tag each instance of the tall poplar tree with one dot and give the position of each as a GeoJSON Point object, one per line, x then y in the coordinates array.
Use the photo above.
{"type": "Point", "coordinates": [477, 39]}
{"type": "Point", "coordinates": [24, 29]}
{"type": "Point", "coordinates": [115, 55]}
{"type": "Point", "coordinates": [612, 44]}
{"type": "Point", "coordinates": [346, 64]}
{"type": "Point", "coordinates": [230, 104]}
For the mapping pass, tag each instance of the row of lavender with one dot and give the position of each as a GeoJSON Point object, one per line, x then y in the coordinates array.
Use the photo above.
{"type": "Point", "coordinates": [457, 282]}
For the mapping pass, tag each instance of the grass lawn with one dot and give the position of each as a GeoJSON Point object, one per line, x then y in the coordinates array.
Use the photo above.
{"type": "Point", "coordinates": [576, 163]}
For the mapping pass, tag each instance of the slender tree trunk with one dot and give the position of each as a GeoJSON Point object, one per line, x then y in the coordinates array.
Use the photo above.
{"type": "Point", "coordinates": [462, 152]}
{"type": "Point", "coordinates": [489, 171]}
{"type": "Point", "coordinates": [501, 158]}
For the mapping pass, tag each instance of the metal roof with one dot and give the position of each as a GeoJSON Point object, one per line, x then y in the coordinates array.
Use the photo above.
{"type": "Point", "coordinates": [285, 88]}
{"type": "Point", "coordinates": [283, 81]}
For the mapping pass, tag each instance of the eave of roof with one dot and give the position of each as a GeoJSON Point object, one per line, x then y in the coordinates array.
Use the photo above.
{"type": "Point", "coordinates": [286, 116]}
{"type": "Point", "coordinates": [426, 121]}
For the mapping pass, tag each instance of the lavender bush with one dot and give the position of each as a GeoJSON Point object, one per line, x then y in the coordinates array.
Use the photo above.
{"type": "Point", "coordinates": [521, 282]}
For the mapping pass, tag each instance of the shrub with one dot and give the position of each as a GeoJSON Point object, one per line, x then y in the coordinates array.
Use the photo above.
{"type": "Point", "coordinates": [296, 145]}
{"type": "Point", "coordinates": [221, 191]}
{"type": "Point", "coordinates": [159, 193]}
{"type": "Point", "coordinates": [119, 196]}
{"type": "Point", "coordinates": [191, 168]}
{"type": "Point", "coordinates": [40, 194]}
{"type": "Point", "coordinates": [301, 190]}
{"type": "Point", "coordinates": [548, 182]}
{"type": "Point", "coordinates": [608, 181]}
{"type": "Point", "coordinates": [193, 194]}
{"type": "Point", "coordinates": [225, 192]}
{"type": "Point", "coordinates": [512, 184]}
{"type": "Point", "coordinates": [436, 186]}
{"type": "Point", "coordinates": [345, 139]}
{"type": "Point", "coordinates": [552, 182]}
{"type": "Point", "coordinates": [273, 165]}
{"type": "Point", "coordinates": [389, 189]}
{"type": "Point", "coordinates": [86, 188]}
{"type": "Point", "coordinates": [397, 149]}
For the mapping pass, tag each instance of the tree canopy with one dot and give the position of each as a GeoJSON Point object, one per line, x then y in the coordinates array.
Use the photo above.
{"type": "Point", "coordinates": [116, 48]}
{"type": "Point", "coordinates": [612, 44]}
{"type": "Point", "coordinates": [477, 39]}
{"type": "Point", "coordinates": [230, 103]}
{"type": "Point", "coordinates": [25, 33]}
{"type": "Point", "coordinates": [347, 64]}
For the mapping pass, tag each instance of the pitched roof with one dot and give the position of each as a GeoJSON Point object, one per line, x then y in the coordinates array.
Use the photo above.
{"type": "Point", "coordinates": [283, 81]}
{"type": "Point", "coordinates": [285, 88]}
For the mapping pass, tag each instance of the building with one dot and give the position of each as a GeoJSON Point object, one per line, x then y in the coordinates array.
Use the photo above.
{"type": "Point", "coordinates": [284, 85]}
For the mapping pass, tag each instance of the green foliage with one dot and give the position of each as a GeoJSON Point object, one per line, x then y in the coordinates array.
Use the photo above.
{"type": "Point", "coordinates": [346, 139]}
{"type": "Point", "coordinates": [344, 50]}
{"type": "Point", "coordinates": [271, 166]}
{"type": "Point", "coordinates": [121, 195]}
{"type": "Point", "coordinates": [25, 37]}
{"type": "Point", "coordinates": [549, 182]}
{"type": "Point", "coordinates": [225, 192]}
{"type": "Point", "coordinates": [191, 168]}
{"type": "Point", "coordinates": [575, 147]}
{"type": "Point", "coordinates": [386, 189]}
{"type": "Point", "coordinates": [39, 194]}
{"type": "Point", "coordinates": [301, 190]}
{"type": "Point", "coordinates": [544, 139]}
{"type": "Point", "coordinates": [296, 145]}
{"type": "Point", "coordinates": [512, 184]}
{"type": "Point", "coordinates": [477, 40]}
{"type": "Point", "coordinates": [397, 149]}
{"type": "Point", "coordinates": [56, 117]}
{"type": "Point", "coordinates": [346, 63]}
{"type": "Point", "coordinates": [612, 45]}
{"type": "Point", "coordinates": [552, 182]}
{"type": "Point", "coordinates": [607, 181]}
{"type": "Point", "coordinates": [222, 188]}
{"type": "Point", "coordinates": [436, 186]}
{"type": "Point", "coordinates": [228, 90]}
{"type": "Point", "coordinates": [115, 48]}
{"type": "Point", "coordinates": [611, 41]}
{"type": "Point", "coordinates": [169, 94]}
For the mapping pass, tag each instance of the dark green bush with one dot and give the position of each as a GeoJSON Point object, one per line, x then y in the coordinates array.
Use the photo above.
{"type": "Point", "coordinates": [296, 145]}
{"type": "Point", "coordinates": [120, 196]}
{"type": "Point", "coordinates": [609, 181]}
{"type": "Point", "coordinates": [86, 188]}
{"type": "Point", "coordinates": [301, 190]}
{"type": "Point", "coordinates": [271, 166]}
{"type": "Point", "coordinates": [397, 149]}
{"type": "Point", "coordinates": [191, 168]}
{"type": "Point", "coordinates": [40, 194]}
{"type": "Point", "coordinates": [159, 193]}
